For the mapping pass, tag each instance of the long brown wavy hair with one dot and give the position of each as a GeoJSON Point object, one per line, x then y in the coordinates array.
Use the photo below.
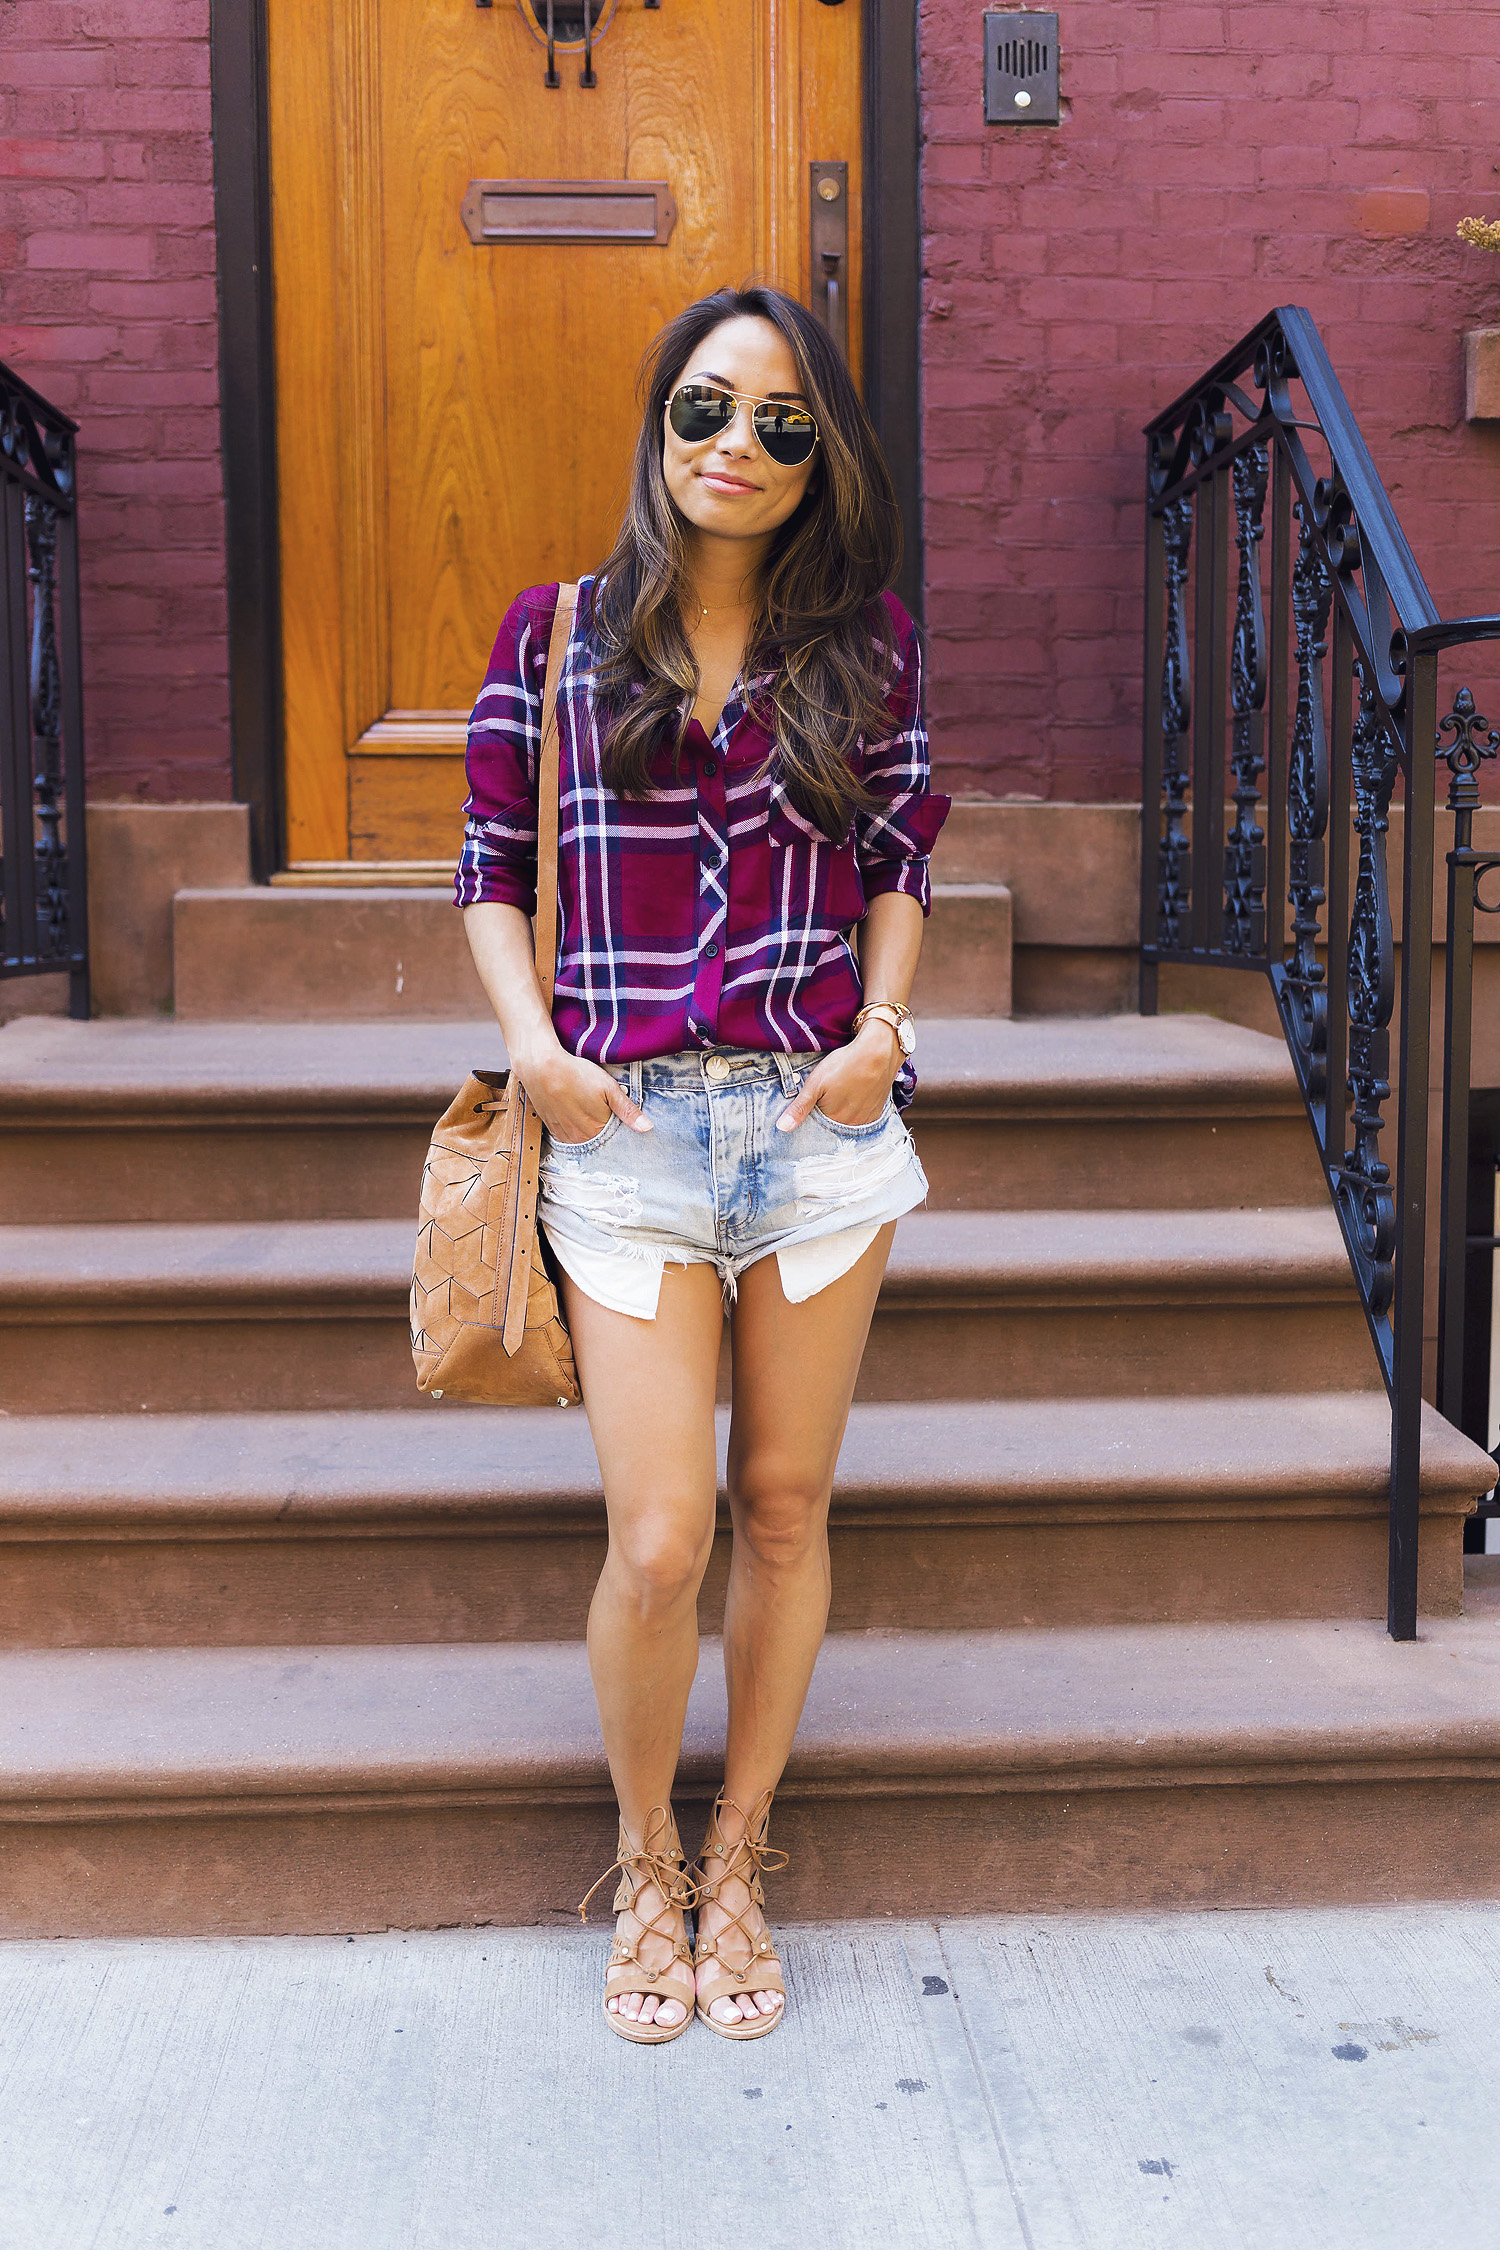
{"type": "Point", "coordinates": [819, 627]}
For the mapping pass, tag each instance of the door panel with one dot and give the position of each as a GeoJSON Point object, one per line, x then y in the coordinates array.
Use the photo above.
{"type": "Point", "coordinates": [455, 420]}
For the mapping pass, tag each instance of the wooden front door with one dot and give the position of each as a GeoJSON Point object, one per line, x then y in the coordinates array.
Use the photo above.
{"type": "Point", "coordinates": [454, 418]}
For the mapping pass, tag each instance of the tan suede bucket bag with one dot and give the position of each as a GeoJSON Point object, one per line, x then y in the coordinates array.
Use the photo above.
{"type": "Point", "coordinates": [486, 1324]}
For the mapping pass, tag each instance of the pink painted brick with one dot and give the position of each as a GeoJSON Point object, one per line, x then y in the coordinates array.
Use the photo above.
{"type": "Point", "coordinates": [50, 159]}
{"type": "Point", "coordinates": [90, 250]}
{"type": "Point", "coordinates": [37, 344]}
{"type": "Point", "coordinates": [34, 205]}
{"type": "Point", "coordinates": [68, 67]}
{"type": "Point", "coordinates": [1212, 153]}
{"type": "Point", "coordinates": [156, 300]}
{"type": "Point", "coordinates": [1387, 118]}
{"type": "Point", "coordinates": [177, 62]}
{"type": "Point", "coordinates": [148, 19]}
{"type": "Point", "coordinates": [39, 23]}
{"type": "Point", "coordinates": [41, 110]}
{"type": "Point", "coordinates": [1440, 74]}
{"type": "Point", "coordinates": [135, 110]}
{"type": "Point", "coordinates": [155, 387]}
{"type": "Point", "coordinates": [181, 255]}
{"type": "Point", "coordinates": [165, 203]}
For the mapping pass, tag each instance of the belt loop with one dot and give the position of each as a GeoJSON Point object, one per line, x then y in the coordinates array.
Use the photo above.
{"type": "Point", "coordinates": [788, 1074]}
{"type": "Point", "coordinates": [637, 1080]}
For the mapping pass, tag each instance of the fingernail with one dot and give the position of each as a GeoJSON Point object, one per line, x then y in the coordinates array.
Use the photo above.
{"type": "Point", "coordinates": [640, 1125]}
{"type": "Point", "coordinates": [786, 1123]}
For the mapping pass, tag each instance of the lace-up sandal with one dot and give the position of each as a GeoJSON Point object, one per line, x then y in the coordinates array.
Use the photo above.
{"type": "Point", "coordinates": [744, 1862]}
{"type": "Point", "coordinates": [658, 1862]}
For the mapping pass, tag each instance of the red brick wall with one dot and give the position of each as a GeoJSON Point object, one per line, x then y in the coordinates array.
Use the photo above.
{"type": "Point", "coordinates": [107, 306]}
{"type": "Point", "coordinates": [1213, 161]}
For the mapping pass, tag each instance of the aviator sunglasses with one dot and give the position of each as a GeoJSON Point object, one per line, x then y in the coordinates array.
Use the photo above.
{"type": "Point", "coordinates": [700, 411]}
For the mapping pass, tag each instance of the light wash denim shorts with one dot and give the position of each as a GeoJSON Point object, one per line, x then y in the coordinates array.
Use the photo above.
{"type": "Point", "coordinates": [714, 1183]}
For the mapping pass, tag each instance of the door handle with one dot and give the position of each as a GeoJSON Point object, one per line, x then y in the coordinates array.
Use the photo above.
{"type": "Point", "coordinates": [828, 204]}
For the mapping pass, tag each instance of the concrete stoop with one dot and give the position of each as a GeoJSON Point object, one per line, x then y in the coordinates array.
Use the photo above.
{"type": "Point", "coordinates": [290, 1650]}
{"type": "Point", "coordinates": [297, 952]}
{"type": "Point", "coordinates": [1008, 1304]}
{"type": "Point", "coordinates": [243, 1121]}
{"type": "Point", "coordinates": [241, 1790]}
{"type": "Point", "coordinates": [488, 1525]}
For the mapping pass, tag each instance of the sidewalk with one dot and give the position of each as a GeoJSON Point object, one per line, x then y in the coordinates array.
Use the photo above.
{"type": "Point", "coordinates": [1290, 2080]}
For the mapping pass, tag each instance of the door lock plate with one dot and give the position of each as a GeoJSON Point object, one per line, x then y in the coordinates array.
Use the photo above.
{"type": "Point", "coordinates": [829, 241]}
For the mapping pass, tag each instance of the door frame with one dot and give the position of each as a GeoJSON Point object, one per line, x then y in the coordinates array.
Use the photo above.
{"type": "Point", "coordinates": [247, 366]}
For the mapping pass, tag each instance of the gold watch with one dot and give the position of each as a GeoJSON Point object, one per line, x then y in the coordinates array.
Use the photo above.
{"type": "Point", "coordinates": [897, 1015]}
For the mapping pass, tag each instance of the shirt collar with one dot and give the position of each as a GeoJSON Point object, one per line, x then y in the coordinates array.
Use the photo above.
{"type": "Point", "coordinates": [741, 698]}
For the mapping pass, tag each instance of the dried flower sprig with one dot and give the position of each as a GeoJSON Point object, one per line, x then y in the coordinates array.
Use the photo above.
{"type": "Point", "coordinates": [1483, 233]}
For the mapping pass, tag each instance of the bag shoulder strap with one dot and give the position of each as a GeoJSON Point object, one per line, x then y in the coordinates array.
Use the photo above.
{"type": "Point", "coordinates": [518, 1217]}
{"type": "Point", "coordinates": [547, 791]}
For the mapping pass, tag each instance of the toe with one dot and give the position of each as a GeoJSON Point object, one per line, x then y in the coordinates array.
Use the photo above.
{"type": "Point", "coordinates": [648, 2008]}
{"type": "Point", "coordinates": [747, 2006]}
{"type": "Point", "coordinates": [768, 2002]}
{"type": "Point", "coordinates": [725, 2011]}
{"type": "Point", "coordinates": [669, 2012]}
{"type": "Point", "coordinates": [630, 2005]}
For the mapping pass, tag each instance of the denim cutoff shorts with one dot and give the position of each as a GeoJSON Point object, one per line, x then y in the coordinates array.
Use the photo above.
{"type": "Point", "coordinates": [714, 1183]}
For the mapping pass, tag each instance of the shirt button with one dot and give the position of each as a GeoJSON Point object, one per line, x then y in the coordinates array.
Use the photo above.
{"type": "Point", "coordinates": [710, 767]}
{"type": "Point", "coordinates": [711, 952]}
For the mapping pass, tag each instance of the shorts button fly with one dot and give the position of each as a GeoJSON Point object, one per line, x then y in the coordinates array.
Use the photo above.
{"type": "Point", "coordinates": [717, 1066]}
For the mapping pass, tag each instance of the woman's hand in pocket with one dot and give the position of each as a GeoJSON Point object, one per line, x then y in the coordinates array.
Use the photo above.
{"type": "Point", "coordinates": [575, 1099]}
{"type": "Point", "coordinates": [853, 1084]}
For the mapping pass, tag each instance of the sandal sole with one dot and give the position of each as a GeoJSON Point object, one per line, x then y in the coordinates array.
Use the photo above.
{"type": "Point", "coordinates": [649, 2036]}
{"type": "Point", "coordinates": [750, 2030]}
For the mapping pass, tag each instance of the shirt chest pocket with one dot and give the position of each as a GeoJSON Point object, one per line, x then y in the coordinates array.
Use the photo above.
{"type": "Point", "coordinates": [807, 871]}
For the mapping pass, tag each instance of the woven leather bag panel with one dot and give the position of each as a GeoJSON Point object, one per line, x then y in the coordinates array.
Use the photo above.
{"type": "Point", "coordinates": [457, 1289]}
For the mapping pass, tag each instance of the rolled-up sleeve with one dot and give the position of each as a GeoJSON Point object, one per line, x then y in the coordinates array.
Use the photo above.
{"type": "Point", "coordinates": [498, 858]}
{"type": "Point", "coordinates": [894, 837]}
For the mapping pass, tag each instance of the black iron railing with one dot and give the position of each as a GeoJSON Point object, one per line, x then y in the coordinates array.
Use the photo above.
{"type": "Point", "coordinates": [43, 895]}
{"type": "Point", "coordinates": [1269, 771]}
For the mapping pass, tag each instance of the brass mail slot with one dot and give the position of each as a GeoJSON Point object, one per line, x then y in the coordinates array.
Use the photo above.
{"type": "Point", "coordinates": [569, 211]}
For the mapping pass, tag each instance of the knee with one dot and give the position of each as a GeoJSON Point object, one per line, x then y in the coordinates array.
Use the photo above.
{"type": "Point", "coordinates": [781, 1517]}
{"type": "Point", "coordinates": [660, 1562]}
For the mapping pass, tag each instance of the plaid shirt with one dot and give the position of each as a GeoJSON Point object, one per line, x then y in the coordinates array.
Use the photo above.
{"type": "Point", "coordinates": [711, 913]}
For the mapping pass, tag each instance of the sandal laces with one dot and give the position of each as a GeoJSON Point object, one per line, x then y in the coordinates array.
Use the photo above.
{"type": "Point", "coordinates": [751, 1853]}
{"type": "Point", "coordinates": [658, 1860]}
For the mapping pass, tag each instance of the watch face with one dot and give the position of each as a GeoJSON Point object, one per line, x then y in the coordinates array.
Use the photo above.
{"type": "Point", "coordinates": [906, 1034]}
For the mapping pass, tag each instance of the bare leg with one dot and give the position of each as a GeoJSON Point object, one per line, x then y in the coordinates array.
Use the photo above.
{"type": "Point", "coordinates": [794, 1373]}
{"type": "Point", "coordinates": [649, 1389]}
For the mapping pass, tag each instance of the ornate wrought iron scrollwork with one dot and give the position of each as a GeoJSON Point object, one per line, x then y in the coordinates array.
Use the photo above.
{"type": "Point", "coordinates": [1245, 845]}
{"type": "Point", "coordinates": [1464, 755]}
{"type": "Point", "coordinates": [43, 914]}
{"type": "Point", "coordinates": [51, 857]}
{"type": "Point", "coordinates": [1338, 1014]}
{"type": "Point", "coordinates": [1175, 860]}
{"type": "Point", "coordinates": [1363, 1184]}
{"type": "Point", "coordinates": [1307, 813]}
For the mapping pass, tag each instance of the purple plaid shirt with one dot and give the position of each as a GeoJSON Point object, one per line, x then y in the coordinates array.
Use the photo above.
{"type": "Point", "coordinates": [711, 914]}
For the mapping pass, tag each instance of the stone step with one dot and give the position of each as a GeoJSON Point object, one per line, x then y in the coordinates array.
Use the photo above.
{"type": "Point", "coordinates": [179, 1121]}
{"type": "Point", "coordinates": [976, 1304]}
{"type": "Point", "coordinates": [213, 1791]}
{"type": "Point", "coordinates": [309, 1528]}
{"type": "Point", "coordinates": [300, 953]}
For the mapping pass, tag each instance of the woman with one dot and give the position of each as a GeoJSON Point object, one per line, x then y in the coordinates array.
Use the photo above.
{"type": "Point", "coordinates": [744, 780]}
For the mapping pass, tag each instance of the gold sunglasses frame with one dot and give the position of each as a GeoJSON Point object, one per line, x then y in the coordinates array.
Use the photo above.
{"type": "Point", "coordinates": [747, 398]}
